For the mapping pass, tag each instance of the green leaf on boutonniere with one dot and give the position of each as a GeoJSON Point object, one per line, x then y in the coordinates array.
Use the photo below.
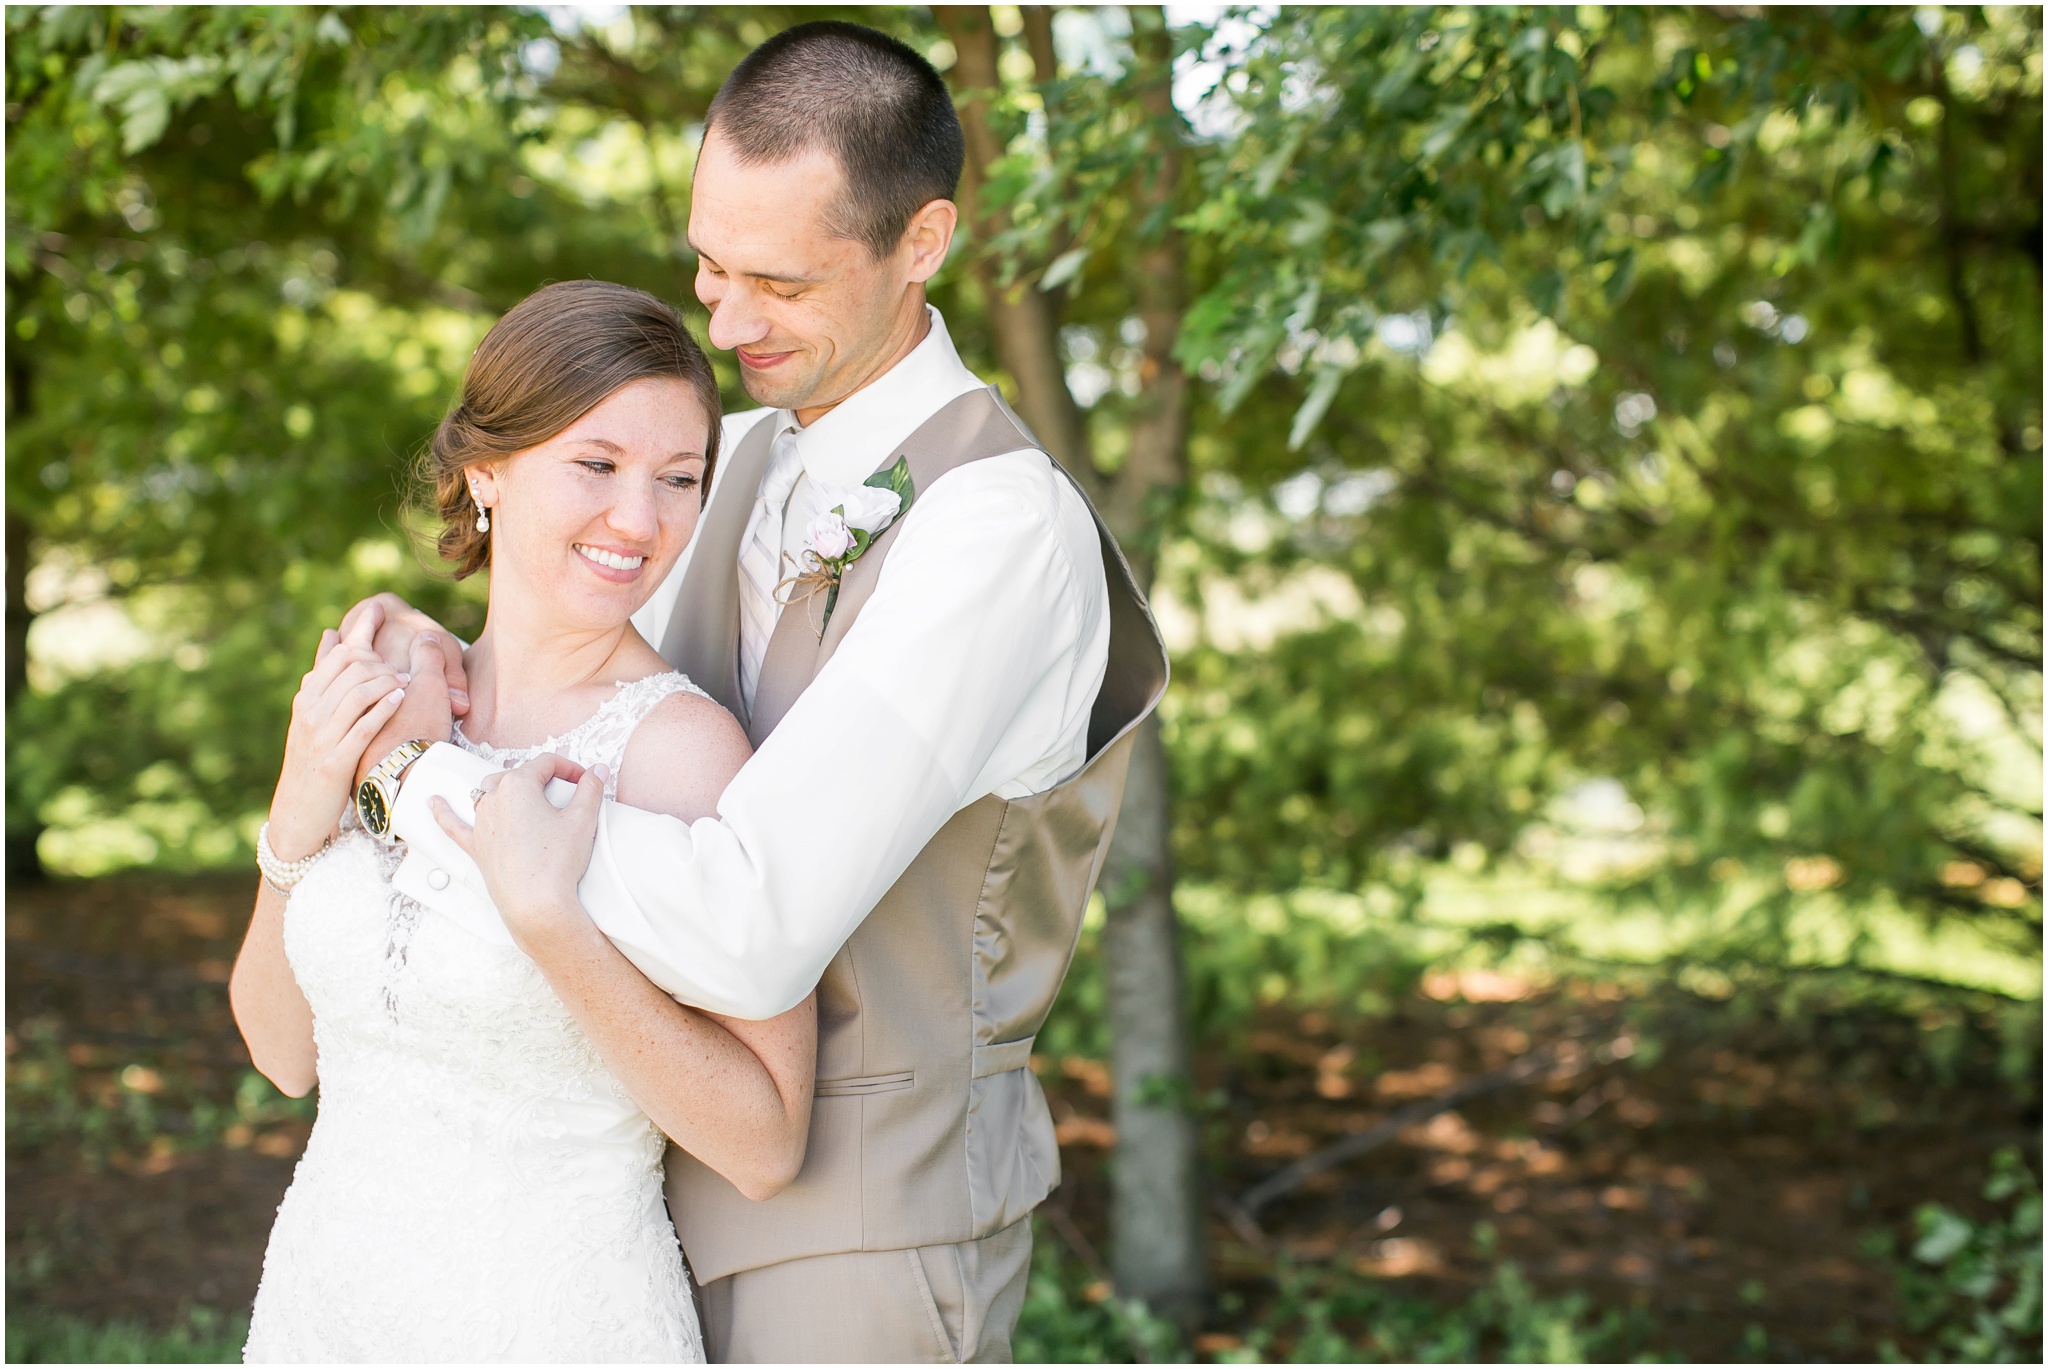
{"type": "Point", "coordinates": [897, 481]}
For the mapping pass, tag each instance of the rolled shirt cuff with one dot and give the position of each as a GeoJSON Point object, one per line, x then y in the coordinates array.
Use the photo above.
{"type": "Point", "coordinates": [435, 871]}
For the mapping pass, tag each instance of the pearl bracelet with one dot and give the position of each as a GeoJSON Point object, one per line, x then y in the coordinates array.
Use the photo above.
{"type": "Point", "coordinates": [281, 875]}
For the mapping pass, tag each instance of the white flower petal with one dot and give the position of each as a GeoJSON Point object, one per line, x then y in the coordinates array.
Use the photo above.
{"type": "Point", "coordinates": [865, 507]}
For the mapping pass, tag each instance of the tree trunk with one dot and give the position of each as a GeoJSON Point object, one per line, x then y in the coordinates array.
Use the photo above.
{"type": "Point", "coordinates": [1158, 1249]}
{"type": "Point", "coordinates": [1023, 320]}
{"type": "Point", "coordinates": [1156, 1220]}
{"type": "Point", "coordinates": [1158, 457]}
{"type": "Point", "coordinates": [1038, 39]}
{"type": "Point", "coordinates": [24, 866]}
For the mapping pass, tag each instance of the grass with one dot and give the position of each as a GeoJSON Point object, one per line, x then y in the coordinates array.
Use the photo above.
{"type": "Point", "coordinates": [204, 1337]}
{"type": "Point", "coordinates": [1326, 1315]}
{"type": "Point", "coordinates": [1361, 954]}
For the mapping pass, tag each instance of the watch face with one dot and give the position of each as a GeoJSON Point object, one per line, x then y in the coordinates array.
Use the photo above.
{"type": "Point", "coordinates": [370, 807]}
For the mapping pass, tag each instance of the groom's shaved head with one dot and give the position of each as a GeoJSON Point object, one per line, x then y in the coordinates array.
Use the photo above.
{"type": "Point", "coordinates": [873, 103]}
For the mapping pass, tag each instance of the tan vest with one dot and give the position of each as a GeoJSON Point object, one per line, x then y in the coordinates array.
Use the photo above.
{"type": "Point", "coordinates": [928, 1127]}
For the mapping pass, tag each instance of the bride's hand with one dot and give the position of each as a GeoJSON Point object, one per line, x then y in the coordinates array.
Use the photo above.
{"type": "Point", "coordinates": [531, 853]}
{"type": "Point", "coordinates": [342, 701]}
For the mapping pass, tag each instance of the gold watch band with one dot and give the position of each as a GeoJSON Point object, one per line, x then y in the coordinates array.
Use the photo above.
{"type": "Point", "coordinates": [377, 795]}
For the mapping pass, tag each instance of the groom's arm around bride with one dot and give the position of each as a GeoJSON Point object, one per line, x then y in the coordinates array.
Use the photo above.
{"type": "Point", "coordinates": [942, 706]}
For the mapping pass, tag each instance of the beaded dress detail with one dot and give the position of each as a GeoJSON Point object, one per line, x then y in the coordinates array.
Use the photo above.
{"type": "Point", "coordinates": [478, 1186]}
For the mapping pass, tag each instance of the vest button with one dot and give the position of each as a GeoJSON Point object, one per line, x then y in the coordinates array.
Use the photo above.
{"type": "Point", "coordinates": [437, 880]}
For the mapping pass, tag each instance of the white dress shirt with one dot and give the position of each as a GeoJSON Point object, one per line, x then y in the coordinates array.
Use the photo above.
{"type": "Point", "coordinates": [971, 671]}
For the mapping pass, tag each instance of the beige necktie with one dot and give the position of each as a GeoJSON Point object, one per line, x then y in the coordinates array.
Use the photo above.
{"type": "Point", "coordinates": [761, 560]}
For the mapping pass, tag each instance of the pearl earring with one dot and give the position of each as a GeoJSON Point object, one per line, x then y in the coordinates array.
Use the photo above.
{"type": "Point", "coordinates": [483, 515]}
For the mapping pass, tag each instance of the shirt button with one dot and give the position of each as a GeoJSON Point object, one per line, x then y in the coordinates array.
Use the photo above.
{"type": "Point", "coordinates": [437, 879]}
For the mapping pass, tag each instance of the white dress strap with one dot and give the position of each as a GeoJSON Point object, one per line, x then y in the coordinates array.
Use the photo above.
{"type": "Point", "coordinates": [601, 738]}
{"type": "Point", "coordinates": [613, 726]}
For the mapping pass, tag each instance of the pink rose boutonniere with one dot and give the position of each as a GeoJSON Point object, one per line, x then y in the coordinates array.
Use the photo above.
{"type": "Point", "coordinates": [841, 535]}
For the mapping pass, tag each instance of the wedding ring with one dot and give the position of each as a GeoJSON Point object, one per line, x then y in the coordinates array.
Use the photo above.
{"type": "Point", "coordinates": [476, 795]}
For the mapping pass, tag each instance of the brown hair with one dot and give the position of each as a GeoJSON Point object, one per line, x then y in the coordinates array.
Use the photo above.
{"type": "Point", "coordinates": [558, 354]}
{"type": "Point", "coordinates": [871, 101]}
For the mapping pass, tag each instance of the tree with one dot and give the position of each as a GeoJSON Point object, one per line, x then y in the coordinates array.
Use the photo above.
{"type": "Point", "coordinates": [1746, 553]}
{"type": "Point", "coordinates": [196, 395]}
{"type": "Point", "coordinates": [1586, 349]}
{"type": "Point", "coordinates": [1157, 1213]}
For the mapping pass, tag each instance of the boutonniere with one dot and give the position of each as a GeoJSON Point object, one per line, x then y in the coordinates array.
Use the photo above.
{"type": "Point", "coordinates": [841, 535]}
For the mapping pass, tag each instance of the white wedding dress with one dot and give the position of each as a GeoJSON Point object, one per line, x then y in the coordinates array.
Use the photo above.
{"type": "Point", "coordinates": [478, 1186]}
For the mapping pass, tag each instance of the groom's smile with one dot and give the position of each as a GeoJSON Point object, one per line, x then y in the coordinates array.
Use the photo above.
{"type": "Point", "coordinates": [809, 309]}
{"type": "Point", "coordinates": [756, 360]}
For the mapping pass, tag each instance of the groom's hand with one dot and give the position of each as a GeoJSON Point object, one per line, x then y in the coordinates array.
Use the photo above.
{"type": "Point", "coordinates": [532, 854]}
{"type": "Point", "coordinates": [397, 625]}
{"type": "Point", "coordinates": [423, 713]}
{"type": "Point", "coordinates": [418, 645]}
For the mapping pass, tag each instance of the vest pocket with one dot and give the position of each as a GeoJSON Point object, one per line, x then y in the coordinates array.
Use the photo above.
{"type": "Point", "coordinates": [1003, 1057]}
{"type": "Point", "coordinates": [866, 1084]}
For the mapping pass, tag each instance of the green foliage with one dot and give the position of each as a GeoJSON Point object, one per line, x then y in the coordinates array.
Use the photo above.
{"type": "Point", "coordinates": [1241, 955]}
{"type": "Point", "coordinates": [249, 251]}
{"type": "Point", "coordinates": [1067, 1319]}
{"type": "Point", "coordinates": [154, 1108]}
{"type": "Point", "coordinates": [1331, 1316]}
{"type": "Point", "coordinates": [1325, 1315]}
{"type": "Point", "coordinates": [205, 1337]}
{"type": "Point", "coordinates": [1743, 515]}
{"type": "Point", "coordinates": [1973, 1288]}
{"type": "Point", "coordinates": [1383, 150]}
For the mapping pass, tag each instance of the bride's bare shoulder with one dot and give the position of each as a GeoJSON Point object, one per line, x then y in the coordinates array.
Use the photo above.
{"type": "Point", "coordinates": [681, 757]}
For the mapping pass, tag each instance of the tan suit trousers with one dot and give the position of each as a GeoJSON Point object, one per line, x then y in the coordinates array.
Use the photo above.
{"type": "Point", "coordinates": [940, 1304]}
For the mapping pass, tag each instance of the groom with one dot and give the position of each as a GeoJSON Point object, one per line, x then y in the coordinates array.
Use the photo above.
{"type": "Point", "coordinates": [940, 756]}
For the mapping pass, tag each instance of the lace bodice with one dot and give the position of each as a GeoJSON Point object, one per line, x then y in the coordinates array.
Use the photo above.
{"type": "Point", "coordinates": [478, 1186]}
{"type": "Point", "coordinates": [599, 739]}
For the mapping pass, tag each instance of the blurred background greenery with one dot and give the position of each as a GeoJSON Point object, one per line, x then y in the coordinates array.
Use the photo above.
{"type": "Point", "coordinates": [1588, 463]}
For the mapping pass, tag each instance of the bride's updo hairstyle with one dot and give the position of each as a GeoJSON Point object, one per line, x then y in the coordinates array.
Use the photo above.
{"type": "Point", "coordinates": [558, 354]}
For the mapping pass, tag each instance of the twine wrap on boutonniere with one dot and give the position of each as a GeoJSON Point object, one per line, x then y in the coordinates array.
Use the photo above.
{"type": "Point", "coordinates": [841, 535]}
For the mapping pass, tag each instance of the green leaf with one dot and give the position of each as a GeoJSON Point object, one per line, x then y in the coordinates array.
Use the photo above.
{"type": "Point", "coordinates": [1943, 1235]}
{"type": "Point", "coordinates": [147, 91]}
{"type": "Point", "coordinates": [897, 481]}
{"type": "Point", "coordinates": [1313, 408]}
{"type": "Point", "coordinates": [1440, 138]}
{"type": "Point", "coordinates": [1623, 277]}
{"type": "Point", "coordinates": [1064, 268]}
{"type": "Point", "coordinates": [1271, 169]}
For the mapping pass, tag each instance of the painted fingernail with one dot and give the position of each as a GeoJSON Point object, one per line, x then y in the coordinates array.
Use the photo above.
{"type": "Point", "coordinates": [395, 694]}
{"type": "Point", "coordinates": [601, 770]}
{"type": "Point", "coordinates": [405, 677]}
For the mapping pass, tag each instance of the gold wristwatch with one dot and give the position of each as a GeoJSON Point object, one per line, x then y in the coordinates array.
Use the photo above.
{"type": "Point", "coordinates": [378, 793]}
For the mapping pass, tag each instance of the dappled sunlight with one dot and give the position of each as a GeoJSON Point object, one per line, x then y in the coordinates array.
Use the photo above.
{"type": "Point", "coordinates": [1536, 360]}
{"type": "Point", "coordinates": [1234, 617]}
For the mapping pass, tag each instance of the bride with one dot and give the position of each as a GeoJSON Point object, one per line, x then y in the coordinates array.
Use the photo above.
{"type": "Point", "coordinates": [484, 1178]}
